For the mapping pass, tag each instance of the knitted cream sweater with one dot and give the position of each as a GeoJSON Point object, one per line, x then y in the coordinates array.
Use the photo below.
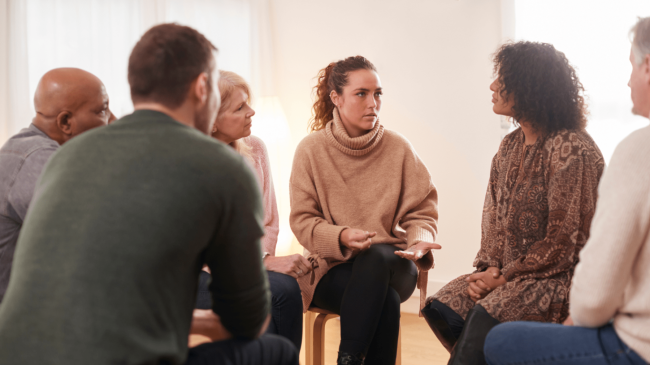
{"type": "Point", "coordinates": [612, 280]}
{"type": "Point", "coordinates": [375, 182]}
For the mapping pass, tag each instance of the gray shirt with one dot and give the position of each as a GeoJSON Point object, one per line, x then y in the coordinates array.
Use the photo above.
{"type": "Point", "coordinates": [22, 159]}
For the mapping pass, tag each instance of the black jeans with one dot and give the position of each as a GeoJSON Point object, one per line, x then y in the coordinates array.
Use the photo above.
{"type": "Point", "coordinates": [286, 308]}
{"type": "Point", "coordinates": [266, 350]}
{"type": "Point", "coordinates": [367, 293]}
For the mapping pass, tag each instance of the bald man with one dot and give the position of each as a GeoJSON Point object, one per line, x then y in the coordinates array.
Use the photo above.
{"type": "Point", "coordinates": [68, 101]}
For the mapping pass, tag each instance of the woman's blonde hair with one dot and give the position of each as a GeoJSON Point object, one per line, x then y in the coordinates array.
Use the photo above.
{"type": "Point", "coordinates": [228, 83]}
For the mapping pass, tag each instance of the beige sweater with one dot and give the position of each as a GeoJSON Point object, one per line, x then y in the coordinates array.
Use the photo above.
{"type": "Point", "coordinates": [612, 280]}
{"type": "Point", "coordinates": [375, 182]}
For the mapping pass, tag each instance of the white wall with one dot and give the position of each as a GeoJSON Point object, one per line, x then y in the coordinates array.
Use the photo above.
{"type": "Point", "coordinates": [434, 62]}
{"type": "Point", "coordinates": [4, 70]}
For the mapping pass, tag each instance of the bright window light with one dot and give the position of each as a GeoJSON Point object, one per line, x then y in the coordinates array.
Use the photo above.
{"type": "Point", "coordinates": [594, 35]}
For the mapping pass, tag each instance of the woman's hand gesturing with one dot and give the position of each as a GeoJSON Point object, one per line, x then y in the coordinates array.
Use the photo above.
{"type": "Point", "coordinates": [418, 250]}
{"type": "Point", "coordinates": [356, 239]}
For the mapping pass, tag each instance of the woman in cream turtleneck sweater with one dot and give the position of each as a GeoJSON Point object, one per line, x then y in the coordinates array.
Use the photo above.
{"type": "Point", "coordinates": [364, 207]}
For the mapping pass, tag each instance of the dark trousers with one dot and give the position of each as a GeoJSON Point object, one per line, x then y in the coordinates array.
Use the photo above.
{"type": "Point", "coordinates": [266, 350]}
{"type": "Point", "coordinates": [367, 293]}
{"type": "Point", "coordinates": [286, 308]}
{"type": "Point", "coordinates": [453, 319]}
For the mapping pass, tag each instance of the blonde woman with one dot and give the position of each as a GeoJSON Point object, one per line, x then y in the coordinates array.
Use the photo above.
{"type": "Point", "coordinates": [233, 127]}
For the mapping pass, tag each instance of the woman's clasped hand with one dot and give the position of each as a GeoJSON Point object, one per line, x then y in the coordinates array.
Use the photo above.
{"type": "Point", "coordinates": [483, 283]}
{"type": "Point", "coordinates": [293, 265]}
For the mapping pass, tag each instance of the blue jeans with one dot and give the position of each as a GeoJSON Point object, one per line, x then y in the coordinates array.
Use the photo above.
{"type": "Point", "coordinates": [286, 305]}
{"type": "Point", "coordinates": [546, 343]}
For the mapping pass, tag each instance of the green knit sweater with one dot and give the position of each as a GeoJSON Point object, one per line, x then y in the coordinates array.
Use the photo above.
{"type": "Point", "coordinates": [107, 263]}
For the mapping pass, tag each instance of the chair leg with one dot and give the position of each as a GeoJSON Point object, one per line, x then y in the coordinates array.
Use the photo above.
{"type": "Point", "coordinates": [398, 359]}
{"type": "Point", "coordinates": [309, 340]}
{"type": "Point", "coordinates": [319, 338]}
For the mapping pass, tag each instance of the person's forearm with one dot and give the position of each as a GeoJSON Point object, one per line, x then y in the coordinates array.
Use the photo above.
{"type": "Point", "coordinates": [320, 237]}
{"type": "Point", "coordinates": [244, 313]}
{"type": "Point", "coordinates": [206, 323]}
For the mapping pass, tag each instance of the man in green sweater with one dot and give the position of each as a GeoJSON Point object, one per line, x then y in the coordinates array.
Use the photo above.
{"type": "Point", "coordinates": [124, 217]}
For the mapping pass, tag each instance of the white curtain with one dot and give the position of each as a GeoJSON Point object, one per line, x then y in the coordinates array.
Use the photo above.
{"type": "Point", "coordinates": [15, 99]}
{"type": "Point", "coordinates": [98, 35]}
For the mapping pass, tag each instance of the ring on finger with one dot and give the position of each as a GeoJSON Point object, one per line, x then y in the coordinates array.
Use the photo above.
{"type": "Point", "coordinates": [299, 272]}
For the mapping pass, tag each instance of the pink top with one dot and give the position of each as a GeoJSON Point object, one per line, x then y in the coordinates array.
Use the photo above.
{"type": "Point", "coordinates": [262, 168]}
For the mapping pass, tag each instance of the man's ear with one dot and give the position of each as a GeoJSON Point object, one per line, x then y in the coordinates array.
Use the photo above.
{"type": "Point", "coordinates": [202, 88]}
{"type": "Point", "coordinates": [64, 122]}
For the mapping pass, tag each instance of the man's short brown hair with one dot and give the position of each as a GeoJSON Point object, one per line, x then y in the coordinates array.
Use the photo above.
{"type": "Point", "coordinates": [165, 61]}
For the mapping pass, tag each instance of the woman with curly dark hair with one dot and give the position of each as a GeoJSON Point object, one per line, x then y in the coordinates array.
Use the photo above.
{"type": "Point", "coordinates": [538, 208]}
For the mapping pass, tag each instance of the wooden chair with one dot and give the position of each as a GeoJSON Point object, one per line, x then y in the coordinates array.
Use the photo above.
{"type": "Point", "coordinates": [315, 320]}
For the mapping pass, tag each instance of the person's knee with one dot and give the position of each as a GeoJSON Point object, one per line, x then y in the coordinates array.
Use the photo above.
{"type": "Point", "coordinates": [278, 350]}
{"type": "Point", "coordinates": [378, 256]}
{"type": "Point", "coordinates": [436, 310]}
{"type": "Point", "coordinates": [266, 350]}
{"type": "Point", "coordinates": [503, 338]}
{"type": "Point", "coordinates": [436, 304]}
{"type": "Point", "coordinates": [285, 289]}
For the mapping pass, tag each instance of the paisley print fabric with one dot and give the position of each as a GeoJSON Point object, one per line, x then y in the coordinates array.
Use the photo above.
{"type": "Point", "coordinates": [536, 218]}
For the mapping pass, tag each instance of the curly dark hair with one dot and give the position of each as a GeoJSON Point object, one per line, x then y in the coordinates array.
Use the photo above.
{"type": "Point", "coordinates": [546, 90]}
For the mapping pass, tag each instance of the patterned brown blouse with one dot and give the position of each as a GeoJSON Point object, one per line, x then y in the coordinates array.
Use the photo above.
{"type": "Point", "coordinates": [535, 221]}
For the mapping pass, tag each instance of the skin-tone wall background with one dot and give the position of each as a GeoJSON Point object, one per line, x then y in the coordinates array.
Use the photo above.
{"type": "Point", "coordinates": [433, 58]}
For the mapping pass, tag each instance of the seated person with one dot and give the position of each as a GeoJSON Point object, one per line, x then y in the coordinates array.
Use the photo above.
{"type": "Point", "coordinates": [233, 127]}
{"type": "Point", "coordinates": [538, 208]}
{"type": "Point", "coordinates": [124, 217]}
{"type": "Point", "coordinates": [359, 195]}
{"type": "Point", "coordinates": [68, 101]}
{"type": "Point", "coordinates": [610, 296]}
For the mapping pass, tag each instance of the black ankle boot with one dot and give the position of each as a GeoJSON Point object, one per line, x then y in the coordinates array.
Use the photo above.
{"type": "Point", "coordinates": [469, 348]}
{"type": "Point", "coordinates": [349, 359]}
{"type": "Point", "coordinates": [440, 327]}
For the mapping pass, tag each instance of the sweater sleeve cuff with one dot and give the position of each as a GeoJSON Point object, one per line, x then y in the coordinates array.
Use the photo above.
{"type": "Point", "coordinates": [326, 242]}
{"type": "Point", "coordinates": [417, 234]}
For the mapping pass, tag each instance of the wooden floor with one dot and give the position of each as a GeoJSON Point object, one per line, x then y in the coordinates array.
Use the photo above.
{"type": "Point", "coordinates": [419, 345]}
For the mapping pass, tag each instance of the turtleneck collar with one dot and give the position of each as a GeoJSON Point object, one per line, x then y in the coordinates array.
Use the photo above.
{"type": "Point", "coordinates": [358, 146]}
